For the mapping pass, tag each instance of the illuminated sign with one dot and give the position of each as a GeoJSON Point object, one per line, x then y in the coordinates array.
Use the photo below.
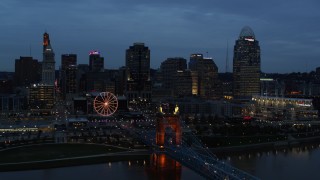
{"type": "Point", "coordinates": [249, 39]}
{"type": "Point", "coordinates": [304, 104]}
{"type": "Point", "coordinates": [266, 79]}
{"type": "Point", "coordinates": [94, 53]}
{"type": "Point", "coordinates": [247, 118]}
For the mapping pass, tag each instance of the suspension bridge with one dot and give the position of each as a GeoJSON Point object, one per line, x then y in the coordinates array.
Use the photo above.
{"type": "Point", "coordinates": [174, 139]}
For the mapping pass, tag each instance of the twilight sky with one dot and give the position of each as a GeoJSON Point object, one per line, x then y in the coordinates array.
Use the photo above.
{"type": "Point", "coordinates": [288, 31]}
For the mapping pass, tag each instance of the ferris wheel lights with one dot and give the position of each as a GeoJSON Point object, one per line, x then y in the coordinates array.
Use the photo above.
{"type": "Point", "coordinates": [105, 104]}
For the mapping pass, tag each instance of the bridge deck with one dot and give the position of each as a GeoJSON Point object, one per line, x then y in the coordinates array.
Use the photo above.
{"type": "Point", "coordinates": [192, 154]}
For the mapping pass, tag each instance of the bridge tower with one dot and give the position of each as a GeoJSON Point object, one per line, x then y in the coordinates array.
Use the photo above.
{"type": "Point", "coordinates": [168, 117]}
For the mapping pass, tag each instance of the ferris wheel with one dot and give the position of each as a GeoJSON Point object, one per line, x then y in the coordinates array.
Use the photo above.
{"type": "Point", "coordinates": [105, 104]}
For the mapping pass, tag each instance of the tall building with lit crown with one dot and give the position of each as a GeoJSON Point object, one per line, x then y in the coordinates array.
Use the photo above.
{"type": "Point", "coordinates": [138, 85]}
{"type": "Point", "coordinates": [246, 65]}
{"type": "Point", "coordinates": [41, 96]}
{"type": "Point", "coordinates": [46, 41]}
{"type": "Point", "coordinates": [48, 63]}
{"type": "Point", "coordinates": [96, 62]}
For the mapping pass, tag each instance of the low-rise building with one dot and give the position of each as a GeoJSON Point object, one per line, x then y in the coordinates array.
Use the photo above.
{"type": "Point", "coordinates": [287, 109]}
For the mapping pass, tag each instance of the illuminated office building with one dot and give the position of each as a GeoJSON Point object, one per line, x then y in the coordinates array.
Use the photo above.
{"type": "Point", "coordinates": [246, 65]}
{"type": "Point", "coordinates": [41, 99]}
{"type": "Point", "coordinates": [185, 83]}
{"type": "Point", "coordinates": [283, 109]}
{"type": "Point", "coordinates": [207, 72]}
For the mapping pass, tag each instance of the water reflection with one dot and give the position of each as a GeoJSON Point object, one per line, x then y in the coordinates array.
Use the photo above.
{"type": "Point", "coordinates": [286, 163]}
{"type": "Point", "coordinates": [157, 166]}
{"type": "Point", "coordinates": [162, 167]}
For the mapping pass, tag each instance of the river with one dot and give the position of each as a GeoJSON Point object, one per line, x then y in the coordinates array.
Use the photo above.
{"type": "Point", "coordinates": [293, 163]}
{"type": "Point", "coordinates": [290, 163]}
{"type": "Point", "coordinates": [166, 169]}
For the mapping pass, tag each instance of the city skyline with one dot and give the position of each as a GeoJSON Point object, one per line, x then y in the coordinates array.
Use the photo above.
{"type": "Point", "coordinates": [288, 33]}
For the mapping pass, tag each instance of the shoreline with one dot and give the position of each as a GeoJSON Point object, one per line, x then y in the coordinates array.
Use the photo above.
{"type": "Point", "coordinates": [140, 155]}
{"type": "Point", "coordinates": [270, 145]}
{"type": "Point", "coordinates": [74, 161]}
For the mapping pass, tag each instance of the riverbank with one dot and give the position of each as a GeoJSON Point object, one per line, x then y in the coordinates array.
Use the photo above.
{"type": "Point", "coordinates": [268, 145]}
{"type": "Point", "coordinates": [37, 161]}
{"type": "Point", "coordinates": [31, 157]}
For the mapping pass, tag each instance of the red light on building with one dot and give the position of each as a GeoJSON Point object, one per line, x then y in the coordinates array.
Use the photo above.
{"type": "Point", "coordinates": [295, 92]}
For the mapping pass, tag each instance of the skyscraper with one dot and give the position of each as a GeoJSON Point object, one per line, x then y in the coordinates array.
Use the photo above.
{"type": "Point", "coordinates": [169, 69]}
{"type": "Point", "coordinates": [138, 74]}
{"type": "Point", "coordinates": [41, 96]}
{"type": "Point", "coordinates": [185, 83]}
{"type": "Point", "coordinates": [48, 64]}
{"type": "Point", "coordinates": [68, 74]}
{"type": "Point", "coordinates": [207, 72]}
{"type": "Point", "coordinates": [27, 71]}
{"type": "Point", "coordinates": [246, 65]}
{"type": "Point", "coordinates": [96, 62]}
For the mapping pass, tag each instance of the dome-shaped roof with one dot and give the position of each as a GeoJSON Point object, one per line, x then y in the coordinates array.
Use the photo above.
{"type": "Point", "coordinates": [246, 32]}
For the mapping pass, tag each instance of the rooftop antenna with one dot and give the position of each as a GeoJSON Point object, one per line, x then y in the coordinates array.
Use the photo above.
{"type": "Point", "coordinates": [227, 58]}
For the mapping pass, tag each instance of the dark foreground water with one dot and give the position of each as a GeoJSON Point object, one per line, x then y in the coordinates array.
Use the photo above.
{"type": "Point", "coordinates": [109, 171]}
{"type": "Point", "coordinates": [291, 163]}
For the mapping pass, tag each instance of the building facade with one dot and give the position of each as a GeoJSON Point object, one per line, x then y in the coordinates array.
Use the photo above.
{"type": "Point", "coordinates": [96, 62]}
{"type": "Point", "coordinates": [207, 76]}
{"type": "Point", "coordinates": [246, 65]}
{"type": "Point", "coordinates": [185, 83]}
{"type": "Point", "coordinates": [68, 74]}
{"type": "Point", "coordinates": [169, 69]}
{"type": "Point", "coordinates": [138, 85]}
{"type": "Point", "coordinates": [41, 99]}
{"type": "Point", "coordinates": [283, 109]}
{"type": "Point", "coordinates": [12, 104]}
{"type": "Point", "coordinates": [27, 71]}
